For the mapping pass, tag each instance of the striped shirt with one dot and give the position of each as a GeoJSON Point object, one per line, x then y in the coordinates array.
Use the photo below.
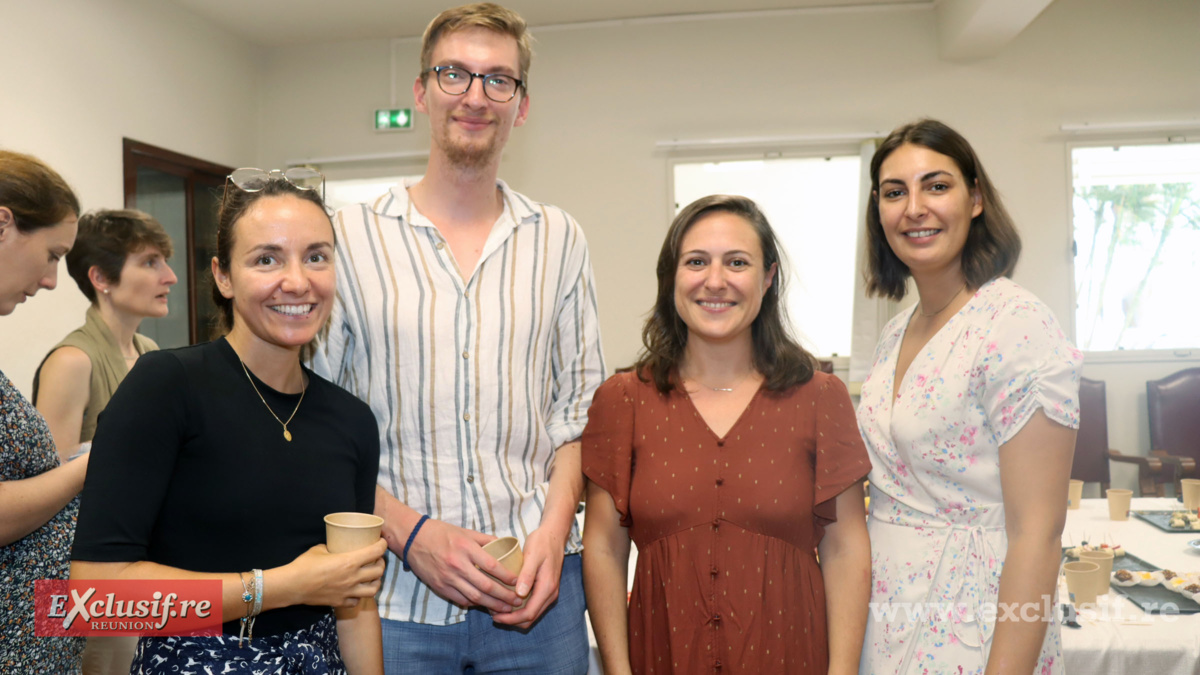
{"type": "Point", "coordinates": [474, 383]}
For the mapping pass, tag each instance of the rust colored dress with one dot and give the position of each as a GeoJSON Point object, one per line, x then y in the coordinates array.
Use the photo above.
{"type": "Point", "coordinates": [727, 578]}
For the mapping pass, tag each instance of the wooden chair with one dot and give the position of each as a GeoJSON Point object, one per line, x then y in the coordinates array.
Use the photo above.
{"type": "Point", "coordinates": [1091, 444]}
{"type": "Point", "coordinates": [1092, 453]}
{"type": "Point", "coordinates": [1174, 406]}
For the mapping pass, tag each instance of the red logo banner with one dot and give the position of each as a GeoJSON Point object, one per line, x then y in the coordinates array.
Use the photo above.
{"type": "Point", "coordinates": [145, 607]}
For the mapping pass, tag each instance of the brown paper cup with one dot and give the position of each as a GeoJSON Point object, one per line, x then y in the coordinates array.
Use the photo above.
{"type": "Point", "coordinates": [1074, 494]}
{"type": "Point", "coordinates": [1081, 582]}
{"type": "Point", "coordinates": [1118, 504]}
{"type": "Point", "coordinates": [349, 531]}
{"type": "Point", "coordinates": [1104, 559]}
{"type": "Point", "coordinates": [508, 551]}
{"type": "Point", "coordinates": [1191, 494]}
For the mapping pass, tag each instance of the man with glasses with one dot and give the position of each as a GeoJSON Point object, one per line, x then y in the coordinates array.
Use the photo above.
{"type": "Point", "coordinates": [466, 317]}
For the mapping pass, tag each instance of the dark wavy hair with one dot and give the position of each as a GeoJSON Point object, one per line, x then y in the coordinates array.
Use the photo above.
{"type": "Point", "coordinates": [234, 205]}
{"type": "Point", "coordinates": [37, 196]}
{"type": "Point", "coordinates": [777, 356]}
{"type": "Point", "coordinates": [107, 237]}
{"type": "Point", "coordinates": [993, 245]}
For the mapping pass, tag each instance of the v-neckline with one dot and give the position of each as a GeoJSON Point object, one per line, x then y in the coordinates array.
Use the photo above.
{"type": "Point", "coordinates": [897, 388]}
{"type": "Point", "coordinates": [736, 422]}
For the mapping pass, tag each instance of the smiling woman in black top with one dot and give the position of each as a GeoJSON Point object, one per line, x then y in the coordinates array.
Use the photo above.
{"type": "Point", "coordinates": [219, 461]}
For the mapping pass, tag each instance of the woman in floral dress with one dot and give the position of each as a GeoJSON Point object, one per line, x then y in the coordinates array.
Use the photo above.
{"type": "Point", "coordinates": [38, 216]}
{"type": "Point", "coordinates": [969, 414]}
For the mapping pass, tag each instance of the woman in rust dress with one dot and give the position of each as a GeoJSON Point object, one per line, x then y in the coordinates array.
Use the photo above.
{"type": "Point", "coordinates": [730, 463]}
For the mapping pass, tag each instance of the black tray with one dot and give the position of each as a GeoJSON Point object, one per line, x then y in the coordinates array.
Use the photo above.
{"type": "Point", "coordinates": [1162, 520]}
{"type": "Point", "coordinates": [1151, 599]}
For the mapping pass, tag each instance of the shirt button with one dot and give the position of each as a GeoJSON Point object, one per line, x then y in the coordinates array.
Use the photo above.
{"type": "Point", "coordinates": [716, 618]}
{"type": "Point", "coordinates": [466, 354]}
{"type": "Point", "coordinates": [720, 444]}
{"type": "Point", "coordinates": [470, 478]}
{"type": "Point", "coordinates": [716, 523]}
{"type": "Point", "coordinates": [440, 246]}
{"type": "Point", "coordinates": [717, 664]}
{"type": "Point", "coordinates": [714, 571]}
{"type": "Point", "coordinates": [467, 416]}
{"type": "Point", "coordinates": [720, 482]}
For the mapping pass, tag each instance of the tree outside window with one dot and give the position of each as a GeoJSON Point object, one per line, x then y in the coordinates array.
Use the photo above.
{"type": "Point", "coordinates": [1137, 246]}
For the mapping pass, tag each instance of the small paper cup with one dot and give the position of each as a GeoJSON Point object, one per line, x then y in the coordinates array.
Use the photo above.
{"type": "Point", "coordinates": [1074, 494]}
{"type": "Point", "coordinates": [1104, 559]}
{"type": "Point", "coordinates": [1118, 504]}
{"type": "Point", "coordinates": [508, 551]}
{"type": "Point", "coordinates": [1081, 582]}
{"type": "Point", "coordinates": [349, 531]}
{"type": "Point", "coordinates": [1191, 494]}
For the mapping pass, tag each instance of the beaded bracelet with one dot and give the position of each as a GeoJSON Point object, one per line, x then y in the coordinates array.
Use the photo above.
{"type": "Point", "coordinates": [258, 592]}
{"type": "Point", "coordinates": [408, 544]}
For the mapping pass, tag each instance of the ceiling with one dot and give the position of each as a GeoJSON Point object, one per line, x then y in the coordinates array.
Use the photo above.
{"type": "Point", "coordinates": [291, 22]}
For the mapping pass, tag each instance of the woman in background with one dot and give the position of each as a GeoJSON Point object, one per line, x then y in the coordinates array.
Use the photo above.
{"type": "Point", "coordinates": [120, 263]}
{"type": "Point", "coordinates": [220, 460]}
{"type": "Point", "coordinates": [38, 215]}
{"type": "Point", "coordinates": [729, 462]}
{"type": "Point", "coordinates": [969, 413]}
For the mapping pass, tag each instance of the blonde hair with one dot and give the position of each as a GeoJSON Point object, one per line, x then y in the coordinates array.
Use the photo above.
{"type": "Point", "coordinates": [487, 15]}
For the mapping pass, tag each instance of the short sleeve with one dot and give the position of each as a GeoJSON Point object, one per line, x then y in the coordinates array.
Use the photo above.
{"type": "Point", "coordinates": [607, 443]}
{"type": "Point", "coordinates": [132, 461]}
{"type": "Point", "coordinates": [1025, 364]}
{"type": "Point", "coordinates": [840, 457]}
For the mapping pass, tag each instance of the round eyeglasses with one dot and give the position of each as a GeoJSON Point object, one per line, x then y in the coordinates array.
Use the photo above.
{"type": "Point", "coordinates": [456, 81]}
{"type": "Point", "coordinates": [254, 180]}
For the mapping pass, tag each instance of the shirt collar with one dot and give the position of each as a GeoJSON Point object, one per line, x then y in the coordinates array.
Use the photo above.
{"type": "Point", "coordinates": [394, 204]}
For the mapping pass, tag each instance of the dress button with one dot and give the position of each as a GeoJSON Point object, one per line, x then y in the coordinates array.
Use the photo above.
{"type": "Point", "coordinates": [720, 444]}
{"type": "Point", "coordinates": [720, 481]}
{"type": "Point", "coordinates": [470, 478]}
{"type": "Point", "coordinates": [467, 416]}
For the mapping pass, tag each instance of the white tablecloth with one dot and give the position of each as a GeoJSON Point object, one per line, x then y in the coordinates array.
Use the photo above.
{"type": "Point", "coordinates": [1118, 637]}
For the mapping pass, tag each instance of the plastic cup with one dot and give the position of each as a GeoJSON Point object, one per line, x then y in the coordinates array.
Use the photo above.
{"type": "Point", "coordinates": [1103, 558]}
{"type": "Point", "coordinates": [1074, 494]}
{"type": "Point", "coordinates": [1081, 582]}
{"type": "Point", "coordinates": [1191, 494]}
{"type": "Point", "coordinates": [348, 531]}
{"type": "Point", "coordinates": [1118, 504]}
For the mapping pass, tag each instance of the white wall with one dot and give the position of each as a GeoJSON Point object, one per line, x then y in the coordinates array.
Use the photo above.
{"type": "Point", "coordinates": [601, 97]}
{"type": "Point", "coordinates": [81, 74]}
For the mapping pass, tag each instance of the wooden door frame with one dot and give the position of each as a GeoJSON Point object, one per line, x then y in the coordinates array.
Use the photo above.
{"type": "Point", "coordinates": [135, 155]}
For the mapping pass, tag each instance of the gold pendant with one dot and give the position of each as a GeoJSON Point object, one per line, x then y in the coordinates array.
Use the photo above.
{"type": "Point", "coordinates": [287, 435]}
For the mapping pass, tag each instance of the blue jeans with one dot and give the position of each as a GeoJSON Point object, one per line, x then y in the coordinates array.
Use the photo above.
{"type": "Point", "coordinates": [556, 643]}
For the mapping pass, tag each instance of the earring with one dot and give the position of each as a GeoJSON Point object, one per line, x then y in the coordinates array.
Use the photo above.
{"type": "Point", "coordinates": [105, 291]}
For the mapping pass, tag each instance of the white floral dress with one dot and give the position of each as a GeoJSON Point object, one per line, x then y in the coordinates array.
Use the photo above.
{"type": "Point", "coordinates": [937, 513]}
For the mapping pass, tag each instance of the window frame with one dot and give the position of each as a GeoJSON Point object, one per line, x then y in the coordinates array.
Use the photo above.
{"type": "Point", "coordinates": [1184, 356]}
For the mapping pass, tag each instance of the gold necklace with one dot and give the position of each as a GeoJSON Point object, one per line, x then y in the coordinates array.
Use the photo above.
{"type": "Point", "coordinates": [287, 435]}
{"type": "Point", "coordinates": [724, 389]}
{"type": "Point", "coordinates": [943, 308]}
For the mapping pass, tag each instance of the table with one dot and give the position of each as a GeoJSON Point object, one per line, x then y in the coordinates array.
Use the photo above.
{"type": "Point", "coordinates": [1117, 637]}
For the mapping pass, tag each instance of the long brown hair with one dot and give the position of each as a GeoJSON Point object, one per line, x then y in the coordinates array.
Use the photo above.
{"type": "Point", "coordinates": [777, 356]}
{"type": "Point", "coordinates": [37, 196]}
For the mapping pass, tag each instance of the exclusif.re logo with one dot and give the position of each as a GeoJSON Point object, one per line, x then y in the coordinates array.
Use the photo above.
{"type": "Point", "coordinates": [158, 607]}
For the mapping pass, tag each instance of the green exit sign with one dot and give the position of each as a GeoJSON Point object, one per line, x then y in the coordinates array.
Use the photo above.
{"type": "Point", "coordinates": [395, 119]}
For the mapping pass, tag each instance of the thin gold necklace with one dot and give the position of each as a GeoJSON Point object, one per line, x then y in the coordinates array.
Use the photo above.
{"type": "Point", "coordinates": [287, 435]}
{"type": "Point", "coordinates": [724, 389]}
{"type": "Point", "coordinates": [943, 308]}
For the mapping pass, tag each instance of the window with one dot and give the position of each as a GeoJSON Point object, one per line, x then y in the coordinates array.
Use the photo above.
{"type": "Point", "coordinates": [812, 204]}
{"type": "Point", "coordinates": [1137, 245]}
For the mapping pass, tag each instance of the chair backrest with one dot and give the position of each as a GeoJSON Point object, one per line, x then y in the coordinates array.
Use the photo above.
{"type": "Point", "coordinates": [1174, 403]}
{"type": "Point", "coordinates": [1091, 444]}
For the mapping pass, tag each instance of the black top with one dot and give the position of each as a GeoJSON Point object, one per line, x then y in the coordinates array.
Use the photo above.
{"type": "Point", "coordinates": [189, 469]}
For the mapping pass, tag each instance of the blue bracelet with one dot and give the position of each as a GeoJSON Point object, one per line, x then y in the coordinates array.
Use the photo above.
{"type": "Point", "coordinates": [408, 544]}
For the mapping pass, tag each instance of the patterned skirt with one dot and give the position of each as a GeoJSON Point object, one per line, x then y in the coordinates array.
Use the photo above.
{"type": "Point", "coordinates": [308, 651]}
